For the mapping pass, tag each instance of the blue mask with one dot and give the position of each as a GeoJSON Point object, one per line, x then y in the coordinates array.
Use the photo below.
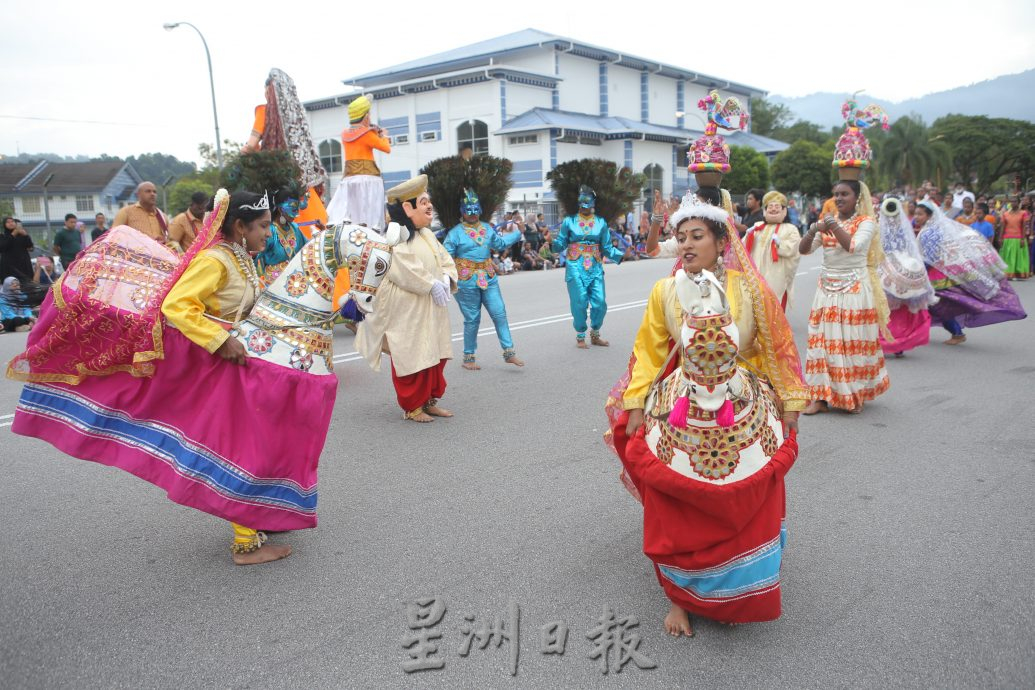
{"type": "Point", "coordinates": [289, 208]}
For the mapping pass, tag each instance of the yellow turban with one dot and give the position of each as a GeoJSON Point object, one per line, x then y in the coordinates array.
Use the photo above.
{"type": "Point", "coordinates": [774, 196]}
{"type": "Point", "coordinates": [410, 189]}
{"type": "Point", "coordinates": [359, 108]}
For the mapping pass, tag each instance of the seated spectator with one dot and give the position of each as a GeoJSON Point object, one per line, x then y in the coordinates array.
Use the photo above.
{"type": "Point", "coordinates": [548, 255]}
{"type": "Point", "coordinates": [530, 260]}
{"type": "Point", "coordinates": [508, 263]}
{"type": "Point", "coordinates": [43, 274]}
{"type": "Point", "coordinates": [497, 261]}
{"type": "Point", "coordinates": [15, 313]}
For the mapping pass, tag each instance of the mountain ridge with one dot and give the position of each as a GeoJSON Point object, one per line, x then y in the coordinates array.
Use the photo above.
{"type": "Point", "coordinates": [1010, 95]}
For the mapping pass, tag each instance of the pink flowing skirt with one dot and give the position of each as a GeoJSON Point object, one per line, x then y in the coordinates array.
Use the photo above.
{"type": "Point", "coordinates": [910, 330]}
{"type": "Point", "coordinates": [239, 442]}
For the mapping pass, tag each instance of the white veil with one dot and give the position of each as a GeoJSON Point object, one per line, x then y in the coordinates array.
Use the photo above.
{"type": "Point", "coordinates": [902, 273]}
{"type": "Point", "coordinates": [963, 255]}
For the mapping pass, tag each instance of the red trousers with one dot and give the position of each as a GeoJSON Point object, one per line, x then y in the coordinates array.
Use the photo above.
{"type": "Point", "coordinates": [414, 390]}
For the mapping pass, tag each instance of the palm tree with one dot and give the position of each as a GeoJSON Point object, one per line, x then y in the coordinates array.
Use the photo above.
{"type": "Point", "coordinates": [908, 155]}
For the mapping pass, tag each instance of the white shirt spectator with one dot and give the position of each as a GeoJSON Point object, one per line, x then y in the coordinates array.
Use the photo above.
{"type": "Point", "coordinates": [959, 195]}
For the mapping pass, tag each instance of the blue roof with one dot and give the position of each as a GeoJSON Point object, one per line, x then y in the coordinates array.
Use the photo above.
{"type": "Point", "coordinates": [483, 52]}
{"type": "Point", "coordinates": [538, 119]}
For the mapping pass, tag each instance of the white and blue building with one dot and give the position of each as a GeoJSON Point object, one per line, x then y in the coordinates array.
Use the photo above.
{"type": "Point", "coordinates": [537, 99]}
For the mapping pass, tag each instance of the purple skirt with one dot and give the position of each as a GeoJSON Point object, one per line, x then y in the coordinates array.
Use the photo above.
{"type": "Point", "coordinates": [971, 312]}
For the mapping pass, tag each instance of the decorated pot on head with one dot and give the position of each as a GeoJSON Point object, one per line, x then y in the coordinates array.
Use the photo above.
{"type": "Point", "coordinates": [852, 155]}
{"type": "Point", "coordinates": [709, 155]}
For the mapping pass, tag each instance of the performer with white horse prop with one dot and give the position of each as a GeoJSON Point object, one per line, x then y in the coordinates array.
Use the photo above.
{"type": "Point", "coordinates": [121, 369]}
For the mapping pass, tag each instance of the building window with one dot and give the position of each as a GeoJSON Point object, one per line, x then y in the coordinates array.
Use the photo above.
{"type": "Point", "coordinates": [653, 173]}
{"type": "Point", "coordinates": [682, 156]}
{"type": "Point", "coordinates": [30, 204]}
{"type": "Point", "coordinates": [330, 155]}
{"type": "Point", "coordinates": [83, 203]}
{"type": "Point", "coordinates": [524, 139]}
{"type": "Point", "coordinates": [473, 134]}
{"type": "Point", "coordinates": [429, 126]}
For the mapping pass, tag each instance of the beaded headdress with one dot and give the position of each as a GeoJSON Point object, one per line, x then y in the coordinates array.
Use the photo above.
{"type": "Point", "coordinates": [852, 154]}
{"type": "Point", "coordinates": [470, 205]}
{"type": "Point", "coordinates": [587, 197]}
{"type": "Point", "coordinates": [710, 155]}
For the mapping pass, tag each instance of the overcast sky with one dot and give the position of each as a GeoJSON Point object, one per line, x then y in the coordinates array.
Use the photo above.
{"type": "Point", "coordinates": [111, 62]}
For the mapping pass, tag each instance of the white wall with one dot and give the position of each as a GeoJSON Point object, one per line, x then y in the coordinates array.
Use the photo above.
{"type": "Point", "coordinates": [522, 98]}
{"type": "Point", "coordinates": [623, 85]}
{"type": "Point", "coordinates": [662, 100]}
{"type": "Point", "coordinates": [580, 85]}
{"type": "Point", "coordinates": [60, 204]}
{"type": "Point", "coordinates": [536, 60]}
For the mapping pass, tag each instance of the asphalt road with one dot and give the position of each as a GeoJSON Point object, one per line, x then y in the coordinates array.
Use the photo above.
{"type": "Point", "coordinates": [909, 561]}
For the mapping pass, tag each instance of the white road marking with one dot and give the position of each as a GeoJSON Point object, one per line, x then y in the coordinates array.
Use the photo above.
{"type": "Point", "coordinates": [516, 326]}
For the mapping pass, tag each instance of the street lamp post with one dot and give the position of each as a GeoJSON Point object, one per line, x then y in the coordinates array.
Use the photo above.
{"type": "Point", "coordinates": [169, 26]}
{"type": "Point", "coordinates": [46, 202]}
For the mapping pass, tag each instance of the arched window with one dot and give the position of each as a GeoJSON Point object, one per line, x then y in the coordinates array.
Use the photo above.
{"type": "Point", "coordinates": [330, 155]}
{"type": "Point", "coordinates": [653, 174]}
{"type": "Point", "coordinates": [473, 134]}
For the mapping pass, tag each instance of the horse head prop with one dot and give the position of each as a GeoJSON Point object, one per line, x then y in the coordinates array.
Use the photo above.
{"type": "Point", "coordinates": [290, 324]}
{"type": "Point", "coordinates": [710, 419]}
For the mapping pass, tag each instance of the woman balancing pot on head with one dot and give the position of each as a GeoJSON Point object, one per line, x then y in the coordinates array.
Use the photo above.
{"type": "Point", "coordinates": [845, 363]}
{"type": "Point", "coordinates": [706, 453]}
{"type": "Point", "coordinates": [709, 159]}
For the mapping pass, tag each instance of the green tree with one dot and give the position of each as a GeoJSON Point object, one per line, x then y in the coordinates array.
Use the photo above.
{"type": "Point", "coordinates": [180, 192]}
{"type": "Point", "coordinates": [260, 171]}
{"type": "Point", "coordinates": [908, 154]}
{"type": "Point", "coordinates": [158, 167]}
{"type": "Point", "coordinates": [768, 117]}
{"type": "Point", "coordinates": [805, 168]}
{"type": "Point", "coordinates": [985, 149]}
{"type": "Point", "coordinates": [488, 176]}
{"type": "Point", "coordinates": [6, 207]}
{"type": "Point", "coordinates": [616, 188]}
{"type": "Point", "coordinates": [749, 169]}
{"type": "Point", "coordinates": [802, 129]}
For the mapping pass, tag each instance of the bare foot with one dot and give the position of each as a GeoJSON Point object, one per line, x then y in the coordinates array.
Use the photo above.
{"type": "Point", "coordinates": [264, 554]}
{"type": "Point", "coordinates": [470, 366]}
{"type": "Point", "coordinates": [582, 344]}
{"type": "Point", "coordinates": [956, 340]}
{"type": "Point", "coordinates": [422, 417]}
{"type": "Point", "coordinates": [351, 327]}
{"type": "Point", "coordinates": [600, 341]}
{"type": "Point", "coordinates": [677, 622]}
{"type": "Point", "coordinates": [515, 361]}
{"type": "Point", "coordinates": [816, 406]}
{"type": "Point", "coordinates": [436, 411]}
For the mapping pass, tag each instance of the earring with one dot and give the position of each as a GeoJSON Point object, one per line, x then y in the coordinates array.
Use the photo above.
{"type": "Point", "coordinates": [718, 261]}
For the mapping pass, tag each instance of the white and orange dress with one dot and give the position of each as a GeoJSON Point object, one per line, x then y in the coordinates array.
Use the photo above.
{"type": "Point", "coordinates": [845, 364]}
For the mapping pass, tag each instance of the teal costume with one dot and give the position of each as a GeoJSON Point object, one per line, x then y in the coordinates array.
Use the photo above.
{"type": "Point", "coordinates": [471, 247]}
{"type": "Point", "coordinates": [584, 241]}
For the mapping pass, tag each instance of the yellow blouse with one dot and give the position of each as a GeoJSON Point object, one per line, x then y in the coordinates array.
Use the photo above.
{"type": "Point", "coordinates": [662, 323]}
{"type": "Point", "coordinates": [213, 285]}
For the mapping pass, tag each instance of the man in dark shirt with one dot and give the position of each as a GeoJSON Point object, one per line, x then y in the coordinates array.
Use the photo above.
{"type": "Point", "coordinates": [753, 202]}
{"type": "Point", "coordinates": [100, 227]}
{"type": "Point", "coordinates": [68, 242]}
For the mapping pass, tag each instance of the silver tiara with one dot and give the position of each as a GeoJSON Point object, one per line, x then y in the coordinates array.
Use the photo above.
{"type": "Point", "coordinates": [262, 205]}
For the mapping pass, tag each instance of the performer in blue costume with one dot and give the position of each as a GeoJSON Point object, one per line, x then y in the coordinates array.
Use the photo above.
{"type": "Point", "coordinates": [585, 239]}
{"type": "Point", "coordinates": [471, 243]}
{"type": "Point", "coordinates": [286, 239]}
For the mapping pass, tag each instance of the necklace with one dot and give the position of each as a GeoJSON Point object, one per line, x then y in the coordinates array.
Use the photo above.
{"type": "Point", "coordinates": [244, 262]}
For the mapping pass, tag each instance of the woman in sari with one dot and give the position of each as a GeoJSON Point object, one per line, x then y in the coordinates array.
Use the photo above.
{"type": "Point", "coordinates": [967, 274]}
{"type": "Point", "coordinates": [722, 530]}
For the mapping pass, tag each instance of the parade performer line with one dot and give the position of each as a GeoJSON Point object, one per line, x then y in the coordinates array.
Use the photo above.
{"type": "Point", "coordinates": [533, 323]}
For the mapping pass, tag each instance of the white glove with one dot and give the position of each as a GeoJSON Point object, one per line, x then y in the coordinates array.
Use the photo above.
{"type": "Point", "coordinates": [439, 293]}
